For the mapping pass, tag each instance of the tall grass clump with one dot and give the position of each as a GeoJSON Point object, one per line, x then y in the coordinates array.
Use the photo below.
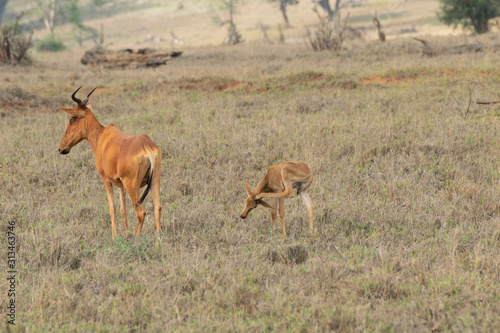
{"type": "Point", "coordinates": [50, 44]}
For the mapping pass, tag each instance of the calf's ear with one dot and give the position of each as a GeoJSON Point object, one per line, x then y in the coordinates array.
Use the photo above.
{"type": "Point", "coordinates": [247, 187]}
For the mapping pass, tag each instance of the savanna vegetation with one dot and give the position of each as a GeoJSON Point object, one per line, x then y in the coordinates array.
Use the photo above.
{"type": "Point", "coordinates": [406, 194]}
{"type": "Point", "coordinates": [406, 188]}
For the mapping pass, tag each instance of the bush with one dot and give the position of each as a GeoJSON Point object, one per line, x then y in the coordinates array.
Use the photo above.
{"type": "Point", "coordinates": [14, 45]}
{"type": "Point", "coordinates": [474, 14]}
{"type": "Point", "coordinates": [329, 35]}
{"type": "Point", "coordinates": [50, 45]}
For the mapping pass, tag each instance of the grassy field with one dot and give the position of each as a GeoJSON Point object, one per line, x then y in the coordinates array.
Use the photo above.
{"type": "Point", "coordinates": [406, 192]}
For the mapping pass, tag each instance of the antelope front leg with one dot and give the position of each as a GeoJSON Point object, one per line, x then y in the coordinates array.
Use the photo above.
{"type": "Point", "coordinates": [123, 208]}
{"type": "Point", "coordinates": [282, 216]}
{"type": "Point", "coordinates": [273, 212]}
{"type": "Point", "coordinates": [112, 212]}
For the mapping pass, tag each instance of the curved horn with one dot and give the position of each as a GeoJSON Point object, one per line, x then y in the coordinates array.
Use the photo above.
{"type": "Point", "coordinates": [79, 101]}
{"type": "Point", "coordinates": [87, 99]}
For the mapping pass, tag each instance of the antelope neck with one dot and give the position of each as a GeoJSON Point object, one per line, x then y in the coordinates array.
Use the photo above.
{"type": "Point", "coordinates": [93, 130]}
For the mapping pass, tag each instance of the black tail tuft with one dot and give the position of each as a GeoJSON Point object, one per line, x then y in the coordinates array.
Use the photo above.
{"type": "Point", "coordinates": [146, 191]}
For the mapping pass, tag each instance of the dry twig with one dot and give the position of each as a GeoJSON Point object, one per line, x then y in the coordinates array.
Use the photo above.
{"type": "Point", "coordinates": [487, 103]}
{"type": "Point", "coordinates": [381, 34]}
{"type": "Point", "coordinates": [465, 114]}
{"type": "Point", "coordinates": [427, 50]}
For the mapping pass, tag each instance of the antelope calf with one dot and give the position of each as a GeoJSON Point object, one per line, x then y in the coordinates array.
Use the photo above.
{"type": "Point", "coordinates": [278, 183]}
{"type": "Point", "coordinates": [127, 161]}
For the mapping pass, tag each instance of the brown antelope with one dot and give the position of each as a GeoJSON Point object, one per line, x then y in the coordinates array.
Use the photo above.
{"type": "Point", "coordinates": [124, 160]}
{"type": "Point", "coordinates": [278, 183]}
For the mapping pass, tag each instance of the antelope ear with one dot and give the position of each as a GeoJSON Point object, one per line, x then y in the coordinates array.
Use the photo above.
{"type": "Point", "coordinates": [73, 111]}
{"type": "Point", "coordinates": [265, 204]}
{"type": "Point", "coordinates": [247, 187]}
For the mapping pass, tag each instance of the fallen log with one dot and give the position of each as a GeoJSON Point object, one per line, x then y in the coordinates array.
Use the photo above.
{"type": "Point", "coordinates": [431, 51]}
{"type": "Point", "coordinates": [127, 58]}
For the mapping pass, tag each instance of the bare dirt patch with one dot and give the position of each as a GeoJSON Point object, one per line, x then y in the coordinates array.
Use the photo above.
{"type": "Point", "coordinates": [209, 84]}
{"type": "Point", "coordinates": [423, 74]}
{"type": "Point", "coordinates": [286, 83]}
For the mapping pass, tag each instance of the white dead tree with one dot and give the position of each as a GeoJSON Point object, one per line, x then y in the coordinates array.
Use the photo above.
{"type": "Point", "coordinates": [49, 10]}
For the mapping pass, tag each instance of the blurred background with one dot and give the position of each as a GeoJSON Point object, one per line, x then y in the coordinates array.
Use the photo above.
{"type": "Point", "coordinates": [197, 23]}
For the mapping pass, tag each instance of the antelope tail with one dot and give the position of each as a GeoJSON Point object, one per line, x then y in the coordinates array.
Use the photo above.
{"type": "Point", "coordinates": [152, 162]}
{"type": "Point", "coordinates": [306, 186]}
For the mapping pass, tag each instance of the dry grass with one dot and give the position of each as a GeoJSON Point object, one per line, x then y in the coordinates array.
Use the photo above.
{"type": "Point", "coordinates": [406, 194]}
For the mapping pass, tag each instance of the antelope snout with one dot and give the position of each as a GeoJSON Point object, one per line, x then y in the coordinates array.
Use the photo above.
{"type": "Point", "coordinates": [242, 216]}
{"type": "Point", "coordinates": [64, 151]}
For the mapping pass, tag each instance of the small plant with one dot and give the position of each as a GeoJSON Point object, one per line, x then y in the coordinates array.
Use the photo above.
{"type": "Point", "coordinates": [329, 35]}
{"type": "Point", "coordinates": [460, 106]}
{"type": "Point", "coordinates": [50, 44]}
{"type": "Point", "coordinates": [282, 36]}
{"type": "Point", "coordinates": [233, 36]}
{"type": "Point", "coordinates": [145, 249]}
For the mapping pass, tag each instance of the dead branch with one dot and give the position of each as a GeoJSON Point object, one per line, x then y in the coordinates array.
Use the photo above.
{"type": "Point", "coordinates": [341, 31]}
{"type": "Point", "coordinates": [431, 51]}
{"type": "Point", "coordinates": [381, 34]}
{"type": "Point", "coordinates": [460, 106]}
{"type": "Point", "coordinates": [427, 50]}
{"type": "Point", "coordinates": [487, 103]}
{"type": "Point", "coordinates": [468, 106]}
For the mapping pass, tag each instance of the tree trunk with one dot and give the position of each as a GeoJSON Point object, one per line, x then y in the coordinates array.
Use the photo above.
{"type": "Point", "coordinates": [283, 10]}
{"type": "Point", "coordinates": [325, 4]}
{"type": "Point", "coordinates": [337, 6]}
{"type": "Point", "coordinates": [50, 15]}
{"type": "Point", "coordinates": [479, 22]}
{"type": "Point", "coordinates": [2, 8]}
{"type": "Point", "coordinates": [481, 26]}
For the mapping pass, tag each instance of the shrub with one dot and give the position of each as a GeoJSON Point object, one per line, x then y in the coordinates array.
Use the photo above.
{"type": "Point", "coordinates": [14, 45]}
{"type": "Point", "coordinates": [50, 45]}
{"type": "Point", "coordinates": [329, 35]}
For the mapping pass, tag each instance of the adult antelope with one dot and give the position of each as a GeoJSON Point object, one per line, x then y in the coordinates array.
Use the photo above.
{"type": "Point", "coordinates": [278, 183]}
{"type": "Point", "coordinates": [124, 160]}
